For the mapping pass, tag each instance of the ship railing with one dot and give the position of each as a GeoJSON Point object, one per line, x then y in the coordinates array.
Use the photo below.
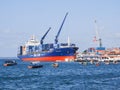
{"type": "Point", "coordinates": [28, 53]}
{"type": "Point", "coordinates": [66, 45]}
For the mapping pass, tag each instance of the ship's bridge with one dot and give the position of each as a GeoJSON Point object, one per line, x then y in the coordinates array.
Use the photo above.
{"type": "Point", "coordinates": [32, 42]}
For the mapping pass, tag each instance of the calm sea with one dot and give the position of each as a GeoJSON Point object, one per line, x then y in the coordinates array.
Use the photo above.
{"type": "Point", "coordinates": [68, 76]}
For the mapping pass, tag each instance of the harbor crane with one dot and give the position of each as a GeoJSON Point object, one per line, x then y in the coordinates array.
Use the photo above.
{"type": "Point", "coordinates": [97, 35]}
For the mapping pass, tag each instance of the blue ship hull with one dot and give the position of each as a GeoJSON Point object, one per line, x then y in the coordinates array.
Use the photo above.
{"type": "Point", "coordinates": [58, 54]}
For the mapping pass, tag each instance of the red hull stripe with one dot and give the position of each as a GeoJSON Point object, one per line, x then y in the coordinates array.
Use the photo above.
{"type": "Point", "coordinates": [50, 59]}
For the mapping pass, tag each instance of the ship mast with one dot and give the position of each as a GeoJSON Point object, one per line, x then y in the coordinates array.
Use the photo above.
{"type": "Point", "coordinates": [68, 41]}
{"type": "Point", "coordinates": [56, 37]}
{"type": "Point", "coordinates": [97, 35]}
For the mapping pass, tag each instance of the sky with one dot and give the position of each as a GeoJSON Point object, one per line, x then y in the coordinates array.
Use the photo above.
{"type": "Point", "coordinates": [19, 19]}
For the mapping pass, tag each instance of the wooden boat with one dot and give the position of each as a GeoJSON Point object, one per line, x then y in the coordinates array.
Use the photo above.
{"type": "Point", "coordinates": [10, 63]}
{"type": "Point", "coordinates": [35, 65]}
{"type": "Point", "coordinates": [55, 65]}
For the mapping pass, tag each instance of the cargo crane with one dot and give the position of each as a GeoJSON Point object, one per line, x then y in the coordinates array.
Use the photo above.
{"type": "Point", "coordinates": [97, 35]}
{"type": "Point", "coordinates": [100, 48]}
{"type": "Point", "coordinates": [41, 42]}
{"type": "Point", "coordinates": [56, 38]}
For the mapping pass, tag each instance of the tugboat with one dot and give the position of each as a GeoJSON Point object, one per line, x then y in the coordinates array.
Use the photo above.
{"type": "Point", "coordinates": [35, 65]}
{"type": "Point", "coordinates": [10, 63]}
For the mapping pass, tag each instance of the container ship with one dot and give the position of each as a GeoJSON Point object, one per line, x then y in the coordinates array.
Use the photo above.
{"type": "Point", "coordinates": [36, 50]}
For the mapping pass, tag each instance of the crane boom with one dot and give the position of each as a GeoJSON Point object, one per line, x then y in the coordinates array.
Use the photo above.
{"type": "Point", "coordinates": [44, 36]}
{"type": "Point", "coordinates": [56, 37]}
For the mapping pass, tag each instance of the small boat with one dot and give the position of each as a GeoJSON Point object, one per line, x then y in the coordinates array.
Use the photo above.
{"type": "Point", "coordinates": [97, 63]}
{"type": "Point", "coordinates": [115, 62]}
{"type": "Point", "coordinates": [10, 63]}
{"type": "Point", "coordinates": [92, 61]}
{"type": "Point", "coordinates": [35, 65]}
{"type": "Point", "coordinates": [55, 65]}
{"type": "Point", "coordinates": [107, 62]}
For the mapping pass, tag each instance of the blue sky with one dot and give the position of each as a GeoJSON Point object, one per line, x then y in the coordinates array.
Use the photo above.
{"type": "Point", "coordinates": [19, 19]}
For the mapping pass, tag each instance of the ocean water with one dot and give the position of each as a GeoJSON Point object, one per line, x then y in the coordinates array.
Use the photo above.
{"type": "Point", "coordinates": [68, 76]}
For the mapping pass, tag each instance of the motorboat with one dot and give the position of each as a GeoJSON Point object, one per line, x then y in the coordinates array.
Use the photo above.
{"type": "Point", "coordinates": [35, 65]}
{"type": "Point", "coordinates": [10, 63]}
